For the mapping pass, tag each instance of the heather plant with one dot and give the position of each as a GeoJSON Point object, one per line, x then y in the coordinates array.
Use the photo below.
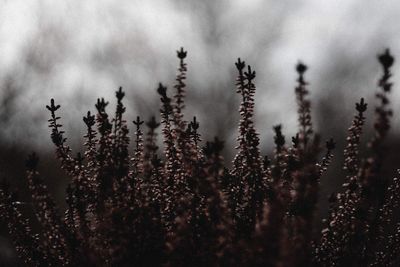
{"type": "Point", "coordinates": [182, 206]}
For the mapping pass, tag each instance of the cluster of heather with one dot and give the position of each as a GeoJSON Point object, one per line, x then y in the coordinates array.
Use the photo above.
{"type": "Point", "coordinates": [130, 203]}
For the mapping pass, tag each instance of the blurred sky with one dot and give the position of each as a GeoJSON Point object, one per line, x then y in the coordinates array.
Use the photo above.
{"type": "Point", "coordinates": [77, 51]}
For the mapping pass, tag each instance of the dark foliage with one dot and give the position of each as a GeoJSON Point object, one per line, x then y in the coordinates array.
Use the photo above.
{"type": "Point", "coordinates": [183, 207]}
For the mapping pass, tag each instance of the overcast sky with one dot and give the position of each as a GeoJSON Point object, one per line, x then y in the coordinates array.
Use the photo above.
{"type": "Point", "coordinates": [77, 51]}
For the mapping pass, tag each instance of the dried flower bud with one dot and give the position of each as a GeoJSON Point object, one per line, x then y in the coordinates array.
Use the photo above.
{"type": "Point", "coordinates": [89, 120]}
{"type": "Point", "coordinates": [52, 106]}
{"type": "Point", "coordinates": [181, 53]}
{"type": "Point", "coordinates": [250, 75]}
{"type": "Point", "coordinates": [138, 122]}
{"type": "Point", "coordinates": [386, 59]}
{"type": "Point", "coordinates": [362, 106]}
{"type": "Point", "coordinates": [101, 104]}
{"type": "Point", "coordinates": [240, 64]}
{"type": "Point", "coordinates": [119, 94]}
{"type": "Point", "coordinates": [194, 124]}
{"type": "Point", "coordinates": [301, 68]}
{"type": "Point", "coordinates": [162, 90]}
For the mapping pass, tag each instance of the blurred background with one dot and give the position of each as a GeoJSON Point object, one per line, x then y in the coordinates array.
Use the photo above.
{"type": "Point", "coordinates": [78, 51]}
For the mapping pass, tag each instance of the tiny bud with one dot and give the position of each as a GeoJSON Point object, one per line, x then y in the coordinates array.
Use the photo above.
{"type": "Point", "coordinates": [386, 59]}
{"type": "Point", "coordinates": [362, 106]}
{"type": "Point", "coordinates": [181, 53]}
{"type": "Point", "coordinates": [240, 64]}
{"type": "Point", "coordinates": [301, 68]}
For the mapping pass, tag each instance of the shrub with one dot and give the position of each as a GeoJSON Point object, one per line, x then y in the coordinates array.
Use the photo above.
{"type": "Point", "coordinates": [185, 208]}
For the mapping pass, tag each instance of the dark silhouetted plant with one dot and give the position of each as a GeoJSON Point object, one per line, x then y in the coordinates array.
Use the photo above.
{"type": "Point", "coordinates": [183, 207]}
